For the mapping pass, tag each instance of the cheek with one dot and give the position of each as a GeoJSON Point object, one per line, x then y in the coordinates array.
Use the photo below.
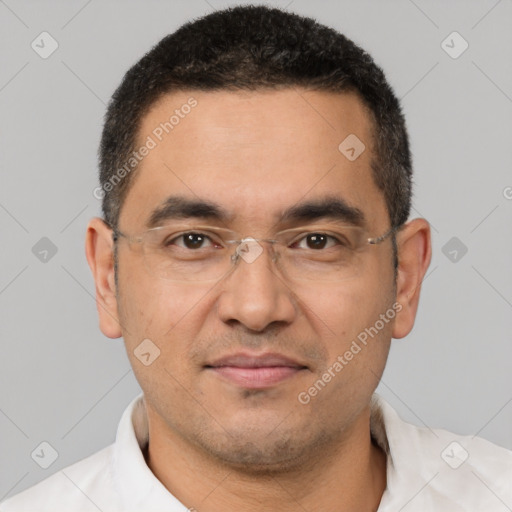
{"type": "Point", "coordinates": [351, 310]}
{"type": "Point", "coordinates": [357, 340]}
{"type": "Point", "coordinates": [342, 308]}
{"type": "Point", "coordinates": [167, 315]}
{"type": "Point", "coordinates": [157, 309]}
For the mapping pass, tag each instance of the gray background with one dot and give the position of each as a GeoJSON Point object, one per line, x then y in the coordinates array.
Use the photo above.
{"type": "Point", "coordinates": [63, 382]}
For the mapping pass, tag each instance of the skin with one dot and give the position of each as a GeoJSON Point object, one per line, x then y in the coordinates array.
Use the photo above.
{"type": "Point", "coordinates": [256, 154]}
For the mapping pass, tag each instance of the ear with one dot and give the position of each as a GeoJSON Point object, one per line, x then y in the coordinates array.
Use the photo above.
{"type": "Point", "coordinates": [99, 248]}
{"type": "Point", "coordinates": [414, 254]}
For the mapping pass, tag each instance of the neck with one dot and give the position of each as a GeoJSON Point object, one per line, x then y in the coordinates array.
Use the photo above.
{"type": "Point", "coordinates": [348, 477]}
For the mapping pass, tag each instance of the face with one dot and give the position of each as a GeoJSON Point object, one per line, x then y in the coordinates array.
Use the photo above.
{"type": "Point", "coordinates": [241, 357]}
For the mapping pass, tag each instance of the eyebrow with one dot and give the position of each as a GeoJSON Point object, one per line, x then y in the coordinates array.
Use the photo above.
{"type": "Point", "coordinates": [328, 208]}
{"type": "Point", "coordinates": [178, 207]}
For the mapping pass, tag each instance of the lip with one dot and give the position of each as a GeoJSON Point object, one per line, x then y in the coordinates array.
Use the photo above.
{"type": "Point", "coordinates": [256, 371]}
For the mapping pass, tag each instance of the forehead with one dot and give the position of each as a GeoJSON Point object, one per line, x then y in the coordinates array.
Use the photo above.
{"type": "Point", "coordinates": [254, 153]}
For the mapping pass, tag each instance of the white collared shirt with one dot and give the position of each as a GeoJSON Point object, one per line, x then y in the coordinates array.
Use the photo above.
{"type": "Point", "coordinates": [427, 470]}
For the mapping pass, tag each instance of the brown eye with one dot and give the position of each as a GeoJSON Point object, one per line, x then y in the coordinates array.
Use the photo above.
{"type": "Point", "coordinates": [191, 241]}
{"type": "Point", "coordinates": [316, 241]}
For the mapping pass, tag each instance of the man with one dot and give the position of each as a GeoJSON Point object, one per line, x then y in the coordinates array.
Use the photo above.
{"type": "Point", "coordinates": [257, 258]}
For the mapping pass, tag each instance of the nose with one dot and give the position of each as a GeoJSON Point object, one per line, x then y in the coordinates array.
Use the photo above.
{"type": "Point", "coordinates": [254, 294]}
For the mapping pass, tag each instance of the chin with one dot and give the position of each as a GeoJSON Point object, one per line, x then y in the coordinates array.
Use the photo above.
{"type": "Point", "coordinates": [266, 447]}
{"type": "Point", "coordinates": [259, 459]}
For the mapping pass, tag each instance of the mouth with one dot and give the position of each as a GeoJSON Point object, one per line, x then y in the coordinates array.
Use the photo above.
{"type": "Point", "coordinates": [252, 371]}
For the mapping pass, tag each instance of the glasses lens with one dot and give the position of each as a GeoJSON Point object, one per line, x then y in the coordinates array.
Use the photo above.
{"type": "Point", "coordinates": [323, 254]}
{"type": "Point", "coordinates": [181, 254]}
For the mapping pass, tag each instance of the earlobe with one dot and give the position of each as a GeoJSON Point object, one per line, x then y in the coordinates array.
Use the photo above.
{"type": "Point", "coordinates": [414, 254]}
{"type": "Point", "coordinates": [99, 252]}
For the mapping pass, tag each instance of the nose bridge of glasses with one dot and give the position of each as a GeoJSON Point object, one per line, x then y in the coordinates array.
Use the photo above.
{"type": "Point", "coordinates": [249, 249]}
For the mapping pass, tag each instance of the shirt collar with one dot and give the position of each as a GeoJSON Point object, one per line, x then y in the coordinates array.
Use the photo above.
{"type": "Point", "coordinates": [136, 483]}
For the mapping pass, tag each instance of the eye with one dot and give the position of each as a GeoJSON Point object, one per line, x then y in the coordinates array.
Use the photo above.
{"type": "Point", "coordinates": [191, 240]}
{"type": "Point", "coordinates": [316, 241]}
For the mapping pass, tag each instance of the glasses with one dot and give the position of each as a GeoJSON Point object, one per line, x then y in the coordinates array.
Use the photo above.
{"type": "Point", "coordinates": [182, 252]}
